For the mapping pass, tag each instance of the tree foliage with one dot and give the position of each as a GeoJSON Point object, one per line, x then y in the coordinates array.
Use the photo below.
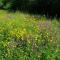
{"type": "Point", "coordinates": [51, 7]}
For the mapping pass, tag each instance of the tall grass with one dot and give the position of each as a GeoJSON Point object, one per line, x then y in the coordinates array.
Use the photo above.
{"type": "Point", "coordinates": [26, 37]}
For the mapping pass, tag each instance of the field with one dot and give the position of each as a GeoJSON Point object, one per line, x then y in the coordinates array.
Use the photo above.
{"type": "Point", "coordinates": [28, 37]}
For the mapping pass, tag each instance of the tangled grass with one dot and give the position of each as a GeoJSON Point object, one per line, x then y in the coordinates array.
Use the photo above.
{"type": "Point", "coordinates": [25, 37]}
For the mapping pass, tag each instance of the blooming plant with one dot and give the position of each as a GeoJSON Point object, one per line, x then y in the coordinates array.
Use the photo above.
{"type": "Point", "coordinates": [24, 38]}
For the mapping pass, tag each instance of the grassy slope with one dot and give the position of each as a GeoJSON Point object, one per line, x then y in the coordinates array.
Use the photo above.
{"type": "Point", "coordinates": [26, 37]}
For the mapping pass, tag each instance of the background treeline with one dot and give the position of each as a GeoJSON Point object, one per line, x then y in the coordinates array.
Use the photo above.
{"type": "Point", "coordinates": [48, 7]}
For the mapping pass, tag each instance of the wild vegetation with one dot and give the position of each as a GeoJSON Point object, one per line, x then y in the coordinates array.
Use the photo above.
{"type": "Point", "coordinates": [28, 37]}
{"type": "Point", "coordinates": [28, 31]}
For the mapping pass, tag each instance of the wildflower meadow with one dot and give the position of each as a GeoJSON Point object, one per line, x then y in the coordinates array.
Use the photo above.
{"type": "Point", "coordinates": [26, 37]}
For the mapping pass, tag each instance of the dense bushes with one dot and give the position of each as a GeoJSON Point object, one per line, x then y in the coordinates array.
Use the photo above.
{"type": "Point", "coordinates": [48, 7]}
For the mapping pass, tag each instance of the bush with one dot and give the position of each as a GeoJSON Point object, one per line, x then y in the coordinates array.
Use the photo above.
{"type": "Point", "coordinates": [1, 3]}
